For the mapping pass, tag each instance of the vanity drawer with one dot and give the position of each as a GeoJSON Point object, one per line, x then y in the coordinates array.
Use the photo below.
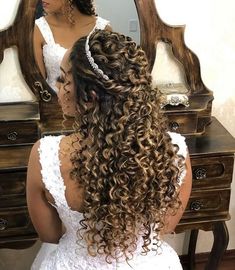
{"type": "Point", "coordinates": [12, 189]}
{"type": "Point", "coordinates": [14, 157]}
{"type": "Point", "coordinates": [212, 172]}
{"type": "Point", "coordinates": [15, 222]}
{"type": "Point", "coordinates": [208, 204]}
{"type": "Point", "coordinates": [184, 123]}
{"type": "Point", "coordinates": [18, 132]}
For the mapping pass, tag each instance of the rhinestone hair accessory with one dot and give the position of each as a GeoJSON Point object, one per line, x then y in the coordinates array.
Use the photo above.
{"type": "Point", "coordinates": [91, 60]}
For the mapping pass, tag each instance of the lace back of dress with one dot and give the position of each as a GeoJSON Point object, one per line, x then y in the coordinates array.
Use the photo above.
{"type": "Point", "coordinates": [50, 163]}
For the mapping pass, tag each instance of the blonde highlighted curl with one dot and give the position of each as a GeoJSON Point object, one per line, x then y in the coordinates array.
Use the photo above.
{"type": "Point", "coordinates": [84, 6]}
{"type": "Point", "coordinates": [128, 171]}
{"type": "Point", "coordinates": [70, 11]}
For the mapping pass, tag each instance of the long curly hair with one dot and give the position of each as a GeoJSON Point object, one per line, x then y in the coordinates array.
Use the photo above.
{"type": "Point", "coordinates": [86, 7]}
{"type": "Point", "coordinates": [128, 171]}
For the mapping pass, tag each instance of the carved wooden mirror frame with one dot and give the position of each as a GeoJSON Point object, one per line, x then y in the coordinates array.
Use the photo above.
{"type": "Point", "coordinates": [152, 30]}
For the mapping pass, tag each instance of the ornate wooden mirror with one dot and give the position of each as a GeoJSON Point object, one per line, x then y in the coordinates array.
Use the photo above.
{"type": "Point", "coordinates": [193, 118]}
{"type": "Point", "coordinates": [188, 118]}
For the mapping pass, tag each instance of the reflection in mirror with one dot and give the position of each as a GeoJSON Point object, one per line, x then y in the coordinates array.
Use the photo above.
{"type": "Point", "coordinates": [165, 64]}
{"type": "Point", "coordinates": [123, 16]}
{"type": "Point", "coordinates": [8, 13]}
{"type": "Point", "coordinates": [13, 87]}
{"type": "Point", "coordinates": [173, 88]}
{"type": "Point", "coordinates": [129, 25]}
{"type": "Point", "coordinates": [113, 10]}
{"type": "Point", "coordinates": [49, 56]}
{"type": "Point", "coordinates": [54, 33]}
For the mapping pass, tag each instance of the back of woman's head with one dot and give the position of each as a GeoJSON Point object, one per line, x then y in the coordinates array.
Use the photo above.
{"type": "Point", "coordinates": [128, 171]}
{"type": "Point", "coordinates": [84, 6]}
{"type": "Point", "coordinates": [120, 59]}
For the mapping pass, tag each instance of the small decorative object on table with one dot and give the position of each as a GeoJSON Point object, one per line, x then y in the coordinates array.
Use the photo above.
{"type": "Point", "coordinates": [173, 94]}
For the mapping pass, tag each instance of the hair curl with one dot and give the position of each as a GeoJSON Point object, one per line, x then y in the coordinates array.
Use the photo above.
{"type": "Point", "coordinates": [86, 7]}
{"type": "Point", "coordinates": [129, 170]}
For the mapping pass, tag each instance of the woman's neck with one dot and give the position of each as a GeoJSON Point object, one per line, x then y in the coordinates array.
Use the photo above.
{"type": "Point", "coordinates": [62, 19]}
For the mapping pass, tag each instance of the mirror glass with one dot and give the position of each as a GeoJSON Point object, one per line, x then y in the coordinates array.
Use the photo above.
{"type": "Point", "coordinates": [8, 13]}
{"type": "Point", "coordinates": [13, 87]}
{"type": "Point", "coordinates": [165, 64]}
{"type": "Point", "coordinates": [122, 15]}
{"type": "Point", "coordinates": [170, 79]}
{"type": "Point", "coordinates": [110, 10]}
{"type": "Point", "coordinates": [10, 72]}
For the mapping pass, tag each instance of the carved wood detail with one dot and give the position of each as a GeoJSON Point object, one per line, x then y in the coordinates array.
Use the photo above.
{"type": "Point", "coordinates": [153, 30]}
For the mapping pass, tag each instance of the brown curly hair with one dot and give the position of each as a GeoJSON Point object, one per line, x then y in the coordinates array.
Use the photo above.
{"type": "Point", "coordinates": [129, 174]}
{"type": "Point", "coordinates": [86, 7]}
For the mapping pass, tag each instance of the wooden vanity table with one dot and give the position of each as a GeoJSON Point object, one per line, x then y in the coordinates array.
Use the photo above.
{"type": "Point", "coordinates": [211, 147]}
{"type": "Point", "coordinates": [18, 131]}
{"type": "Point", "coordinates": [212, 159]}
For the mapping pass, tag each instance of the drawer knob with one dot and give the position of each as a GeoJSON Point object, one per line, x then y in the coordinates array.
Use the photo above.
{"type": "Point", "coordinates": [3, 224]}
{"type": "Point", "coordinates": [200, 173]}
{"type": "Point", "coordinates": [174, 126]}
{"type": "Point", "coordinates": [12, 136]}
{"type": "Point", "coordinates": [195, 205]}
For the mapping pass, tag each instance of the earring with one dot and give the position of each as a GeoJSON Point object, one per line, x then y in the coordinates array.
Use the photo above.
{"type": "Point", "coordinates": [70, 11]}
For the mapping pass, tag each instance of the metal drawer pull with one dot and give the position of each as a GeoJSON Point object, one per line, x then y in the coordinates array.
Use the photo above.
{"type": "Point", "coordinates": [200, 173]}
{"type": "Point", "coordinates": [12, 136]}
{"type": "Point", "coordinates": [174, 126]}
{"type": "Point", "coordinates": [195, 205]}
{"type": "Point", "coordinates": [3, 224]}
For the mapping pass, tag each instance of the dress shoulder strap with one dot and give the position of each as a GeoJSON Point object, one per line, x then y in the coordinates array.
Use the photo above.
{"type": "Point", "coordinates": [179, 140]}
{"type": "Point", "coordinates": [50, 168]}
{"type": "Point", "coordinates": [45, 30]}
{"type": "Point", "coordinates": [101, 23]}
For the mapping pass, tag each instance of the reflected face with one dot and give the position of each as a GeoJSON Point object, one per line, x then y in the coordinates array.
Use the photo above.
{"type": "Point", "coordinates": [66, 87]}
{"type": "Point", "coordinates": [53, 6]}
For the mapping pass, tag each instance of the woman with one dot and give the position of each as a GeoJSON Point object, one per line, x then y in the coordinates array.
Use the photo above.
{"type": "Point", "coordinates": [107, 193]}
{"type": "Point", "coordinates": [65, 21]}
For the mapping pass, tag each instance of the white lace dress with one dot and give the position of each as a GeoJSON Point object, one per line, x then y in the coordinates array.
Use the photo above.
{"type": "Point", "coordinates": [71, 252]}
{"type": "Point", "coordinates": [54, 52]}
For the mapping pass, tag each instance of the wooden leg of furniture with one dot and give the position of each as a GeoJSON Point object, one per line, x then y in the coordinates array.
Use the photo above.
{"type": "Point", "coordinates": [192, 248]}
{"type": "Point", "coordinates": [221, 238]}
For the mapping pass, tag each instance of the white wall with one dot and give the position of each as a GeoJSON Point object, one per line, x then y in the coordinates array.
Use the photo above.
{"type": "Point", "coordinates": [210, 28]}
{"type": "Point", "coordinates": [7, 13]}
{"type": "Point", "coordinates": [12, 84]}
{"type": "Point", "coordinates": [13, 87]}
